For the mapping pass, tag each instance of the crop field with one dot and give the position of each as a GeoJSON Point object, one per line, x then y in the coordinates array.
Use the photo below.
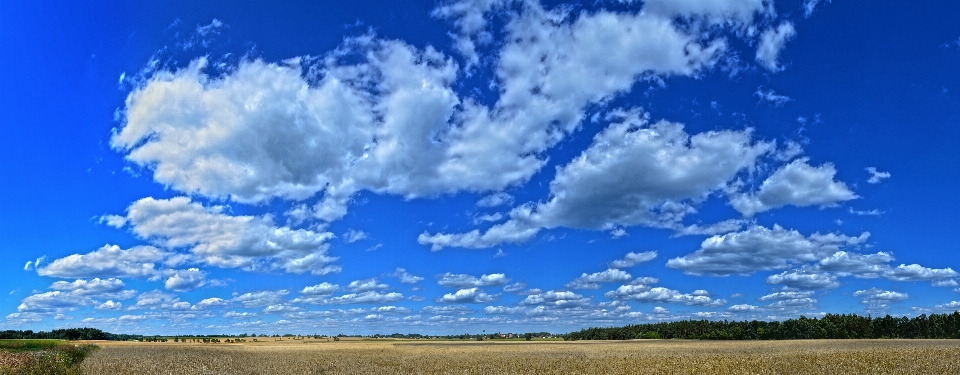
{"type": "Point", "coordinates": [580, 357]}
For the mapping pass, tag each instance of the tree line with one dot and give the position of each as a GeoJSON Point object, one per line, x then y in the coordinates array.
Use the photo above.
{"type": "Point", "coordinates": [831, 326]}
{"type": "Point", "coordinates": [68, 334]}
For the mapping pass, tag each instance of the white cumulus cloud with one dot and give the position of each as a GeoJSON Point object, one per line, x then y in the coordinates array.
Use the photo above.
{"type": "Point", "coordinates": [771, 43]}
{"type": "Point", "coordinates": [471, 295]}
{"type": "Point", "coordinates": [798, 184]}
{"type": "Point", "coordinates": [647, 294]}
{"type": "Point", "coordinates": [592, 281]}
{"type": "Point", "coordinates": [108, 261]}
{"type": "Point", "coordinates": [600, 189]}
{"type": "Point", "coordinates": [185, 280]}
{"type": "Point", "coordinates": [462, 281]}
{"type": "Point", "coordinates": [876, 176]}
{"type": "Point", "coordinates": [219, 239]}
{"type": "Point", "coordinates": [759, 248]}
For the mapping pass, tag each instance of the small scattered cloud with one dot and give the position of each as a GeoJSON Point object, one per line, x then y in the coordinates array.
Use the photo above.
{"type": "Point", "coordinates": [405, 277]}
{"type": "Point", "coordinates": [876, 176]}
{"type": "Point", "coordinates": [877, 300]}
{"type": "Point", "coordinates": [495, 200]}
{"type": "Point", "coordinates": [770, 96]}
{"type": "Point", "coordinates": [592, 281]}
{"type": "Point", "coordinates": [462, 281]}
{"type": "Point", "coordinates": [322, 289]}
{"type": "Point", "coordinates": [358, 286]}
{"type": "Point", "coordinates": [352, 236]}
{"type": "Point", "coordinates": [260, 298]}
{"type": "Point", "coordinates": [873, 212]}
{"type": "Point", "coordinates": [941, 308]}
{"type": "Point", "coordinates": [633, 259]}
{"type": "Point", "coordinates": [515, 287]}
{"type": "Point", "coordinates": [809, 6]}
{"type": "Point", "coordinates": [556, 299]}
{"type": "Point", "coordinates": [371, 297]}
{"type": "Point", "coordinates": [772, 42]}
{"type": "Point", "coordinates": [109, 305]}
{"type": "Point", "coordinates": [115, 221]}
{"type": "Point", "coordinates": [803, 279]}
{"type": "Point", "coordinates": [647, 294]}
{"type": "Point", "coordinates": [34, 264]}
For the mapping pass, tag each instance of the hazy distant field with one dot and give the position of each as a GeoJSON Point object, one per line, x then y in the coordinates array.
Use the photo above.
{"type": "Point", "coordinates": [471, 357]}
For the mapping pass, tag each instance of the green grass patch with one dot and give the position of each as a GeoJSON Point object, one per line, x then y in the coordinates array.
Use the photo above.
{"type": "Point", "coordinates": [25, 345]}
{"type": "Point", "coordinates": [46, 357]}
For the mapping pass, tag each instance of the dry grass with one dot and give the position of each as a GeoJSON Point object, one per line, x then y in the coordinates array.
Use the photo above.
{"type": "Point", "coordinates": [439, 357]}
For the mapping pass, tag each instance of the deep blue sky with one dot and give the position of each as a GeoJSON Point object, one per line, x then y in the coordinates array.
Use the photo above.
{"type": "Point", "coordinates": [322, 167]}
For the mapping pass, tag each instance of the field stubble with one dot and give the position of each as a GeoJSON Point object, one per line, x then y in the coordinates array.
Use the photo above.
{"type": "Point", "coordinates": [438, 357]}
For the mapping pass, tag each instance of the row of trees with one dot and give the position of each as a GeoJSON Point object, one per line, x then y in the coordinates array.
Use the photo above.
{"type": "Point", "coordinates": [831, 326]}
{"type": "Point", "coordinates": [68, 334]}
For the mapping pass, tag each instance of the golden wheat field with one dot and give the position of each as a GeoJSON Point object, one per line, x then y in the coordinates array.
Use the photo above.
{"type": "Point", "coordinates": [444, 357]}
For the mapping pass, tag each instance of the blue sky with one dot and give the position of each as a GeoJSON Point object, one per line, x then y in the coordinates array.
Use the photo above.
{"type": "Point", "coordinates": [458, 166]}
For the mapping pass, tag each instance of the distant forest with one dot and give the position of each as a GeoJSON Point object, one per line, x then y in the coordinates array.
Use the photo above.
{"type": "Point", "coordinates": [831, 326]}
{"type": "Point", "coordinates": [68, 334]}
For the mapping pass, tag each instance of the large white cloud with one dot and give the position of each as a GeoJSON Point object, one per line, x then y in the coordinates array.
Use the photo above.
{"type": "Point", "coordinates": [759, 248]}
{"type": "Point", "coordinates": [248, 135]}
{"type": "Point", "coordinates": [391, 123]}
{"type": "Point", "coordinates": [916, 272]}
{"type": "Point", "coordinates": [860, 265]}
{"type": "Point", "coordinates": [632, 174]}
{"type": "Point", "coordinates": [219, 239]}
{"type": "Point", "coordinates": [877, 265]}
{"type": "Point", "coordinates": [108, 261]}
{"type": "Point", "coordinates": [52, 301]}
{"type": "Point", "coordinates": [798, 184]}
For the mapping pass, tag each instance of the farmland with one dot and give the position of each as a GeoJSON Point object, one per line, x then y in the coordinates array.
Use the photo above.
{"type": "Point", "coordinates": [547, 357]}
